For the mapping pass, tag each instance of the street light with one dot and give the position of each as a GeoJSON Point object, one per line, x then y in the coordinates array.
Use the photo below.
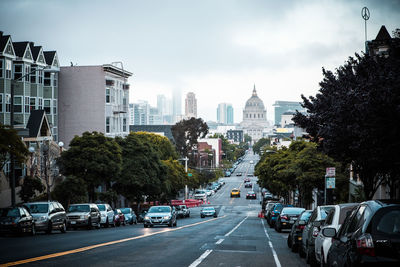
{"type": "Point", "coordinates": [12, 163]}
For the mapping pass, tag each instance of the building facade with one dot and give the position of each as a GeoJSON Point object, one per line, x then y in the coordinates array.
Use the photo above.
{"type": "Point", "coordinates": [93, 98]}
{"type": "Point", "coordinates": [33, 73]}
{"type": "Point", "coordinates": [235, 135]}
{"type": "Point", "coordinates": [225, 113]}
{"type": "Point", "coordinates": [281, 107]}
{"type": "Point", "coordinates": [190, 105]}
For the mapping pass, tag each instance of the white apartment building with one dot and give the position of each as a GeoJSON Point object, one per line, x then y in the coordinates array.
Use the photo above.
{"type": "Point", "coordinates": [190, 105]}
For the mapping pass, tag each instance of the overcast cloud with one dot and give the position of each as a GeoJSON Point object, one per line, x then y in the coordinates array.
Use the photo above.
{"type": "Point", "coordinates": [216, 49]}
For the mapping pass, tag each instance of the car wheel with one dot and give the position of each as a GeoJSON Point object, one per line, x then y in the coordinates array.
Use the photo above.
{"type": "Point", "coordinates": [89, 224]}
{"type": "Point", "coordinates": [176, 223]}
{"type": "Point", "coordinates": [107, 224]}
{"type": "Point", "coordinates": [135, 221]}
{"type": "Point", "coordinates": [131, 222]}
{"type": "Point", "coordinates": [145, 225]}
{"type": "Point", "coordinates": [289, 241]}
{"type": "Point", "coordinates": [271, 225]}
{"type": "Point", "coordinates": [63, 228]}
{"type": "Point", "coordinates": [33, 229]}
{"type": "Point", "coordinates": [278, 228]}
{"type": "Point", "coordinates": [301, 252]}
{"type": "Point", "coordinates": [294, 248]}
{"type": "Point", "coordinates": [202, 216]}
{"type": "Point", "coordinates": [49, 228]}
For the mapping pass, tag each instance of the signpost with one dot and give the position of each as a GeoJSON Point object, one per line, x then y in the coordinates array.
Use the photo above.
{"type": "Point", "coordinates": [329, 181]}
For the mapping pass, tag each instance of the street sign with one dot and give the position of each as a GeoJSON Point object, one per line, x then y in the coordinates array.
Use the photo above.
{"type": "Point", "coordinates": [330, 172]}
{"type": "Point", "coordinates": [330, 182]}
{"type": "Point", "coordinates": [189, 174]}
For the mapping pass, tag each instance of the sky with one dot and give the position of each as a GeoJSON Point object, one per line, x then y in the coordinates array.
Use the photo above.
{"type": "Point", "coordinates": [218, 49]}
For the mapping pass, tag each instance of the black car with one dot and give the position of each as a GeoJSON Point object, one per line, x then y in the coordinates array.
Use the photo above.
{"type": "Point", "coordinates": [370, 235]}
{"type": "Point", "coordinates": [141, 215]}
{"type": "Point", "coordinates": [251, 195]}
{"type": "Point", "coordinates": [295, 235]}
{"type": "Point", "coordinates": [287, 218]}
{"type": "Point", "coordinates": [16, 220]}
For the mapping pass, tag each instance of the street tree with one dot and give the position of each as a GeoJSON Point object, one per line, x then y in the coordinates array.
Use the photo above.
{"type": "Point", "coordinates": [175, 179]}
{"type": "Point", "coordinates": [161, 144]}
{"type": "Point", "coordinates": [259, 144]}
{"type": "Point", "coordinates": [355, 118]}
{"type": "Point", "coordinates": [30, 187]}
{"type": "Point", "coordinates": [71, 190]}
{"type": "Point", "coordinates": [11, 144]}
{"type": "Point", "coordinates": [93, 157]}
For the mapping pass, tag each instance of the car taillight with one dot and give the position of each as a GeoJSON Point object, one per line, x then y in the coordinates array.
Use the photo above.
{"type": "Point", "coordinates": [315, 231]}
{"type": "Point", "coordinates": [284, 217]}
{"type": "Point", "coordinates": [300, 227]}
{"type": "Point", "coordinates": [365, 245]}
{"type": "Point", "coordinates": [272, 213]}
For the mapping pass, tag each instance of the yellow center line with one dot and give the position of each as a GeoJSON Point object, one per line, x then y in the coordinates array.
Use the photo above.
{"type": "Point", "coordinates": [73, 251]}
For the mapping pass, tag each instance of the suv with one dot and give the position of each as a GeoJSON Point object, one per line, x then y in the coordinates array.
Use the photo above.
{"type": "Point", "coordinates": [107, 215]}
{"type": "Point", "coordinates": [84, 215]}
{"type": "Point", "coordinates": [311, 231]}
{"type": "Point", "coordinates": [160, 215]}
{"type": "Point", "coordinates": [200, 194]}
{"type": "Point", "coordinates": [185, 210]}
{"type": "Point", "coordinates": [48, 216]}
{"type": "Point", "coordinates": [370, 235]}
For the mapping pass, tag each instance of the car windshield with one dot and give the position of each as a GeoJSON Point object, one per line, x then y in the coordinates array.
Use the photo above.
{"type": "Point", "coordinates": [306, 215]}
{"type": "Point", "coordinates": [251, 192]}
{"type": "Point", "coordinates": [389, 223]}
{"type": "Point", "coordinates": [199, 192]}
{"type": "Point", "coordinates": [102, 207]}
{"type": "Point", "coordinates": [9, 212]}
{"type": "Point", "coordinates": [79, 208]}
{"type": "Point", "coordinates": [159, 209]}
{"type": "Point", "coordinates": [126, 210]}
{"type": "Point", "coordinates": [38, 208]}
{"type": "Point", "coordinates": [235, 190]}
{"type": "Point", "coordinates": [325, 211]}
{"type": "Point", "coordinates": [209, 209]}
{"type": "Point", "coordinates": [292, 210]}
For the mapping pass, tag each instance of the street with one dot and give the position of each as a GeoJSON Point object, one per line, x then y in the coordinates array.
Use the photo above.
{"type": "Point", "coordinates": [237, 237]}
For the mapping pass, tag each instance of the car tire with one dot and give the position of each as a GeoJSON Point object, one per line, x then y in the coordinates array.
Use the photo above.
{"type": "Point", "coordinates": [49, 228]}
{"type": "Point", "coordinates": [145, 225]}
{"type": "Point", "coordinates": [271, 225]}
{"type": "Point", "coordinates": [294, 248]}
{"type": "Point", "coordinates": [278, 228]}
{"type": "Point", "coordinates": [176, 223]}
{"type": "Point", "coordinates": [302, 254]}
{"type": "Point", "coordinates": [89, 226]}
{"type": "Point", "coordinates": [63, 228]}
{"type": "Point", "coordinates": [289, 241]}
{"type": "Point", "coordinates": [202, 216]}
{"type": "Point", "coordinates": [170, 224]}
{"type": "Point", "coordinates": [135, 221]}
{"type": "Point", "coordinates": [33, 229]}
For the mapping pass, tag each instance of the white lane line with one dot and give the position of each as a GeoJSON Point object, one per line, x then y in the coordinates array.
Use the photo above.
{"type": "Point", "coordinates": [278, 263]}
{"type": "Point", "coordinates": [236, 227]}
{"type": "Point", "coordinates": [201, 258]}
{"type": "Point", "coordinates": [219, 241]}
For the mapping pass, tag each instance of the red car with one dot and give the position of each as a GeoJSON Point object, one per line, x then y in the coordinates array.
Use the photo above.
{"type": "Point", "coordinates": [251, 194]}
{"type": "Point", "coordinates": [119, 218]}
{"type": "Point", "coordinates": [246, 180]}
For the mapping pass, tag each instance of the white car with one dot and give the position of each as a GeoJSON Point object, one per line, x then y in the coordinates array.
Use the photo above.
{"type": "Point", "coordinates": [107, 215]}
{"type": "Point", "coordinates": [251, 161]}
{"type": "Point", "coordinates": [334, 219]}
{"type": "Point", "coordinates": [209, 192]}
{"type": "Point", "coordinates": [200, 194]}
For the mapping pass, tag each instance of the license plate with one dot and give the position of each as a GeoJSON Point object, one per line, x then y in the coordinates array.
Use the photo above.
{"type": "Point", "coordinates": [156, 220]}
{"type": "Point", "coordinates": [73, 222]}
{"type": "Point", "coordinates": [291, 221]}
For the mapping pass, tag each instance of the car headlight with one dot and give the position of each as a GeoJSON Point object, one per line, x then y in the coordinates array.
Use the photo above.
{"type": "Point", "coordinates": [41, 219]}
{"type": "Point", "coordinates": [146, 217]}
{"type": "Point", "coordinates": [167, 217]}
{"type": "Point", "coordinates": [84, 216]}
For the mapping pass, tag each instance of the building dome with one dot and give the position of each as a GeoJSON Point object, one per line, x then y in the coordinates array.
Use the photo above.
{"type": "Point", "coordinates": [254, 102]}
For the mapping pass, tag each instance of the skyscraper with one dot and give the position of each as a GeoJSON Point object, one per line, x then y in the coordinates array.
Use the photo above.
{"type": "Point", "coordinates": [284, 106]}
{"type": "Point", "coordinates": [176, 104]}
{"type": "Point", "coordinates": [225, 113]}
{"type": "Point", "coordinates": [190, 105]}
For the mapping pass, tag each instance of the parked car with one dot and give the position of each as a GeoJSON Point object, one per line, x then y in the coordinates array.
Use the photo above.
{"type": "Point", "coordinates": [295, 235]}
{"type": "Point", "coordinates": [274, 213]}
{"type": "Point", "coordinates": [185, 210]}
{"type": "Point", "coordinates": [209, 192]}
{"type": "Point", "coordinates": [107, 215]}
{"type": "Point", "coordinates": [130, 216]}
{"type": "Point", "coordinates": [251, 195]}
{"type": "Point", "coordinates": [83, 215]}
{"type": "Point", "coordinates": [287, 218]}
{"type": "Point", "coordinates": [16, 220]}
{"type": "Point", "coordinates": [228, 174]}
{"type": "Point", "coordinates": [235, 192]}
{"type": "Point", "coordinates": [48, 216]}
{"type": "Point", "coordinates": [311, 231]}
{"type": "Point", "coordinates": [208, 212]}
{"type": "Point", "coordinates": [141, 215]}
{"type": "Point", "coordinates": [269, 204]}
{"type": "Point", "coordinates": [119, 218]}
{"type": "Point", "coordinates": [200, 194]}
{"type": "Point", "coordinates": [160, 215]}
{"type": "Point", "coordinates": [369, 236]}
{"type": "Point", "coordinates": [334, 219]}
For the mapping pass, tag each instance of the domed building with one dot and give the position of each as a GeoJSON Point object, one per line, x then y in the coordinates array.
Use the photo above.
{"type": "Point", "coordinates": [254, 117]}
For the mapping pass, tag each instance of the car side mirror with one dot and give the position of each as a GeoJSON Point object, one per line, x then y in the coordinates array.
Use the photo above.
{"type": "Point", "coordinates": [329, 232]}
{"type": "Point", "coordinates": [302, 222]}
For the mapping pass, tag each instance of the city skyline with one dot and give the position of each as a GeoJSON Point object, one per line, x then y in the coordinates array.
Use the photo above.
{"type": "Point", "coordinates": [281, 46]}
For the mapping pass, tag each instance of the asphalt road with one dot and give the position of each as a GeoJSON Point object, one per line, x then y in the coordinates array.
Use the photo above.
{"type": "Point", "coordinates": [237, 237]}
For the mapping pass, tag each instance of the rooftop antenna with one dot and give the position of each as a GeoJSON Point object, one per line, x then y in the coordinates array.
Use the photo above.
{"type": "Point", "coordinates": [365, 15]}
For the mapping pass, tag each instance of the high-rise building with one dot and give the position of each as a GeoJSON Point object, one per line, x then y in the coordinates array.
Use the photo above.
{"type": "Point", "coordinates": [225, 113]}
{"type": "Point", "coordinates": [191, 105]}
{"type": "Point", "coordinates": [176, 105]}
{"type": "Point", "coordinates": [93, 98]}
{"type": "Point", "coordinates": [38, 90]}
{"type": "Point", "coordinates": [284, 106]}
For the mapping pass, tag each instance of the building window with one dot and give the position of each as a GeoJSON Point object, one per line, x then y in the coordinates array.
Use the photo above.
{"type": "Point", "coordinates": [32, 102]}
{"type": "Point", "coordinates": [40, 106]}
{"type": "Point", "coordinates": [8, 69]}
{"type": "Point", "coordinates": [250, 115]}
{"type": "Point", "coordinates": [55, 79]}
{"type": "Point", "coordinates": [54, 107]}
{"type": "Point", "coordinates": [108, 125]}
{"type": "Point", "coordinates": [18, 104]}
{"type": "Point", "coordinates": [1, 68]}
{"type": "Point", "coordinates": [1, 103]}
{"type": "Point", "coordinates": [17, 71]}
{"type": "Point", "coordinates": [26, 104]}
{"type": "Point", "coordinates": [33, 75]}
{"type": "Point", "coordinates": [258, 115]}
{"type": "Point", "coordinates": [40, 76]}
{"type": "Point", "coordinates": [124, 125]}
{"type": "Point", "coordinates": [47, 79]}
{"type": "Point", "coordinates": [47, 106]}
{"type": "Point", "coordinates": [27, 71]}
{"type": "Point", "coordinates": [107, 95]}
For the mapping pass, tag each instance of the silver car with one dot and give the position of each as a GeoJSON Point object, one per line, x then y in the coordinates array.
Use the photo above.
{"type": "Point", "coordinates": [83, 215]}
{"type": "Point", "coordinates": [160, 215]}
{"type": "Point", "coordinates": [48, 216]}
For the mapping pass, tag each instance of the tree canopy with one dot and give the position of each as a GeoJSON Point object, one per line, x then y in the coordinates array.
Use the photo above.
{"type": "Point", "coordinates": [355, 117]}
{"type": "Point", "coordinates": [11, 144]}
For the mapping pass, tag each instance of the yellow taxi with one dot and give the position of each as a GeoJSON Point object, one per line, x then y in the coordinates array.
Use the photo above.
{"type": "Point", "coordinates": [235, 192]}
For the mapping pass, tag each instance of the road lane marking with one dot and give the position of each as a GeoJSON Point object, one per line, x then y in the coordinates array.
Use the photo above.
{"type": "Point", "coordinates": [73, 251]}
{"type": "Point", "coordinates": [278, 263]}
{"type": "Point", "coordinates": [201, 258]}
{"type": "Point", "coordinates": [219, 241]}
{"type": "Point", "coordinates": [236, 227]}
